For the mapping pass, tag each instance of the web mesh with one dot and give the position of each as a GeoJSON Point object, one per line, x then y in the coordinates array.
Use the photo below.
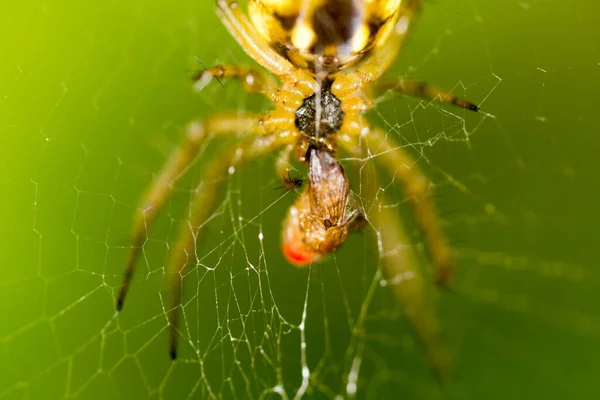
{"type": "Point", "coordinates": [94, 97]}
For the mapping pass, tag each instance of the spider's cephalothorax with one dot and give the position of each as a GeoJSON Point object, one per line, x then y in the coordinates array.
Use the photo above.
{"type": "Point", "coordinates": [320, 95]}
{"type": "Point", "coordinates": [323, 34]}
{"type": "Point", "coordinates": [320, 114]}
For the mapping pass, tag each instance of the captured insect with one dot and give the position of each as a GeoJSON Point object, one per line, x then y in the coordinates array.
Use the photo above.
{"type": "Point", "coordinates": [326, 59]}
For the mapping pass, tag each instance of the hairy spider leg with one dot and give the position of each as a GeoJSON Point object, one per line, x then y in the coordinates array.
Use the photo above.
{"type": "Point", "coordinates": [423, 90]}
{"type": "Point", "coordinates": [402, 166]}
{"type": "Point", "coordinates": [161, 188]}
{"type": "Point", "coordinates": [254, 80]}
{"type": "Point", "coordinates": [181, 255]}
{"type": "Point", "coordinates": [402, 270]}
{"type": "Point", "coordinates": [298, 80]}
{"type": "Point", "coordinates": [408, 285]}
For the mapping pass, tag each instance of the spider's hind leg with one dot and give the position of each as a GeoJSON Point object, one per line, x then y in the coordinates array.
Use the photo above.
{"type": "Point", "coordinates": [409, 287]}
{"type": "Point", "coordinates": [212, 183]}
{"type": "Point", "coordinates": [162, 186]}
{"type": "Point", "coordinates": [403, 273]}
{"type": "Point", "coordinates": [402, 167]}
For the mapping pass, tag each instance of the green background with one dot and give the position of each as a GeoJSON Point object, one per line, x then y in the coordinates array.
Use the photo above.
{"type": "Point", "coordinates": [94, 96]}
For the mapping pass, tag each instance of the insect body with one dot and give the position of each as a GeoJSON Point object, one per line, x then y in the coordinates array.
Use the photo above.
{"type": "Point", "coordinates": [320, 220]}
{"type": "Point", "coordinates": [328, 58]}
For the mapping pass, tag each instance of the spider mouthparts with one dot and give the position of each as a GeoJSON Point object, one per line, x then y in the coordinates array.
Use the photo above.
{"type": "Point", "coordinates": [173, 354]}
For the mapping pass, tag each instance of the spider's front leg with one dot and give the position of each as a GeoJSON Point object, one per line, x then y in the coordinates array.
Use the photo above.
{"type": "Point", "coordinates": [423, 90]}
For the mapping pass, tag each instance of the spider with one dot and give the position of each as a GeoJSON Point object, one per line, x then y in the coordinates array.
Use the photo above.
{"type": "Point", "coordinates": [328, 57]}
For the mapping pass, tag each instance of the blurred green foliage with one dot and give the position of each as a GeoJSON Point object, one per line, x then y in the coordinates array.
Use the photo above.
{"type": "Point", "coordinates": [93, 96]}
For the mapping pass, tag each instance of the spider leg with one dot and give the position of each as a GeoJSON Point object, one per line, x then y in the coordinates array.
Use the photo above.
{"type": "Point", "coordinates": [202, 207]}
{"type": "Point", "coordinates": [402, 269]}
{"type": "Point", "coordinates": [162, 186]}
{"type": "Point", "coordinates": [254, 81]}
{"type": "Point", "coordinates": [408, 285]}
{"type": "Point", "coordinates": [381, 58]}
{"type": "Point", "coordinates": [256, 47]}
{"type": "Point", "coordinates": [416, 186]}
{"type": "Point", "coordinates": [402, 166]}
{"type": "Point", "coordinates": [423, 90]}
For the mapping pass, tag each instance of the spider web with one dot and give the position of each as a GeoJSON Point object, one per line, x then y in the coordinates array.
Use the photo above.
{"type": "Point", "coordinates": [94, 97]}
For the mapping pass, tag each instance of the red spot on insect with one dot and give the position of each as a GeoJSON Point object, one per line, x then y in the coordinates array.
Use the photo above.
{"type": "Point", "coordinates": [296, 255]}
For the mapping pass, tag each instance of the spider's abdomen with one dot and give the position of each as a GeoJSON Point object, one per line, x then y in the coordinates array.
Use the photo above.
{"type": "Point", "coordinates": [323, 34]}
{"type": "Point", "coordinates": [320, 114]}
